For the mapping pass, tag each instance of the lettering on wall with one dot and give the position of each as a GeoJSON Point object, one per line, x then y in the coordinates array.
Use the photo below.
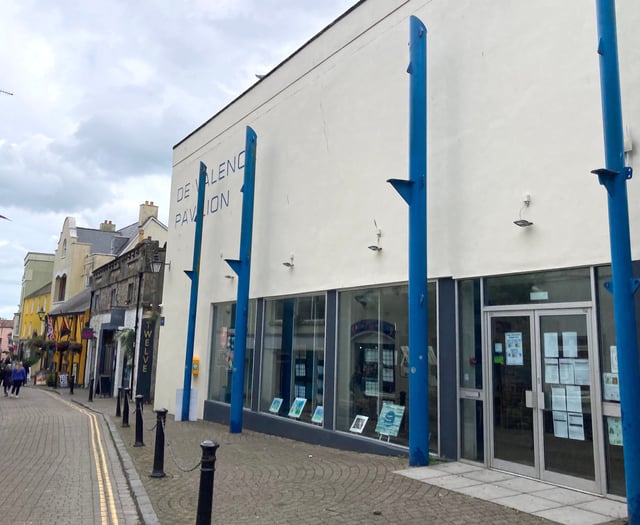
{"type": "Point", "coordinates": [217, 195]}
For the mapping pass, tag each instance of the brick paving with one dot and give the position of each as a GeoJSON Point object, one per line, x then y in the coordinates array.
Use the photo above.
{"type": "Point", "coordinates": [259, 479]}
{"type": "Point", "coordinates": [262, 479]}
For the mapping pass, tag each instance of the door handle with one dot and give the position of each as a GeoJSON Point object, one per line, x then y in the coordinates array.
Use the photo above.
{"type": "Point", "coordinates": [528, 399]}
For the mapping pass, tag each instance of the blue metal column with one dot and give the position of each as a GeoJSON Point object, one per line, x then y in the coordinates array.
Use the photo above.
{"type": "Point", "coordinates": [194, 275]}
{"type": "Point", "coordinates": [414, 192]}
{"type": "Point", "coordinates": [242, 267]}
{"type": "Point", "coordinates": [614, 178]}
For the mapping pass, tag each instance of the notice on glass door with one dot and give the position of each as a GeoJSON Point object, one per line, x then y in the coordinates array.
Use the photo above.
{"type": "Point", "coordinates": [551, 344]}
{"type": "Point", "coordinates": [567, 376]}
{"type": "Point", "coordinates": [558, 399]}
{"type": "Point", "coordinates": [570, 344]}
{"type": "Point", "coordinates": [576, 426]}
{"type": "Point", "coordinates": [581, 372]}
{"type": "Point", "coordinates": [574, 398]}
{"type": "Point", "coordinates": [560, 424]}
{"type": "Point", "coordinates": [551, 375]}
{"type": "Point", "coordinates": [513, 342]}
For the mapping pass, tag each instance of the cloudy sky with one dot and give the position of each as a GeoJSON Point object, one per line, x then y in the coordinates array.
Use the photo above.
{"type": "Point", "coordinates": [103, 90]}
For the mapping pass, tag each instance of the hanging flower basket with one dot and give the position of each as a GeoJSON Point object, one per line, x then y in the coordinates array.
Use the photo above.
{"type": "Point", "coordinates": [62, 346]}
{"type": "Point", "coordinates": [75, 347]}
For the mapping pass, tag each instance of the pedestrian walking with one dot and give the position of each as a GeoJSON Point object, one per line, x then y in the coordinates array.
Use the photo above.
{"type": "Point", "coordinates": [18, 376]}
{"type": "Point", "coordinates": [6, 379]}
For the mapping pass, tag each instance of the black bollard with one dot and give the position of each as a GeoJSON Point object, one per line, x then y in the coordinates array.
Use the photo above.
{"type": "Point", "coordinates": [139, 442]}
{"type": "Point", "coordinates": [91, 389]}
{"type": "Point", "coordinates": [71, 383]}
{"type": "Point", "coordinates": [118, 412]}
{"type": "Point", "coordinates": [125, 409]}
{"type": "Point", "coordinates": [207, 471]}
{"type": "Point", "coordinates": [158, 453]}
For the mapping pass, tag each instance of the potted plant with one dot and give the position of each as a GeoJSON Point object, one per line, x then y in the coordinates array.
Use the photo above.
{"type": "Point", "coordinates": [51, 379]}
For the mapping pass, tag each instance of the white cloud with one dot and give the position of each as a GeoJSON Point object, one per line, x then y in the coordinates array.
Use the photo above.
{"type": "Point", "coordinates": [102, 92]}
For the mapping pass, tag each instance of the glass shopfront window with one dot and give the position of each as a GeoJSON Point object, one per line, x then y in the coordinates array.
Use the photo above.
{"type": "Point", "coordinates": [373, 361]}
{"type": "Point", "coordinates": [470, 370]}
{"type": "Point", "coordinates": [557, 286]}
{"type": "Point", "coordinates": [222, 348]}
{"type": "Point", "coordinates": [610, 389]}
{"type": "Point", "coordinates": [293, 357]}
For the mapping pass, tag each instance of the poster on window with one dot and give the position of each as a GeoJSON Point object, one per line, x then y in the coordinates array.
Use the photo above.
{"type": "Point", "coordinates": [614, 430]}
{"type": "Point", "coordinates": [611, 387]}
{"type": "Point", "coordinates": [390, 419]}
{"type": "Point", "coordinates": [576, 426]}
{"type": "Point", "coordinates": [570, 344]}
{"type": "Point", "coordinates": [297, 407]}
{"type": "Point", "coordinates": [513, 342]}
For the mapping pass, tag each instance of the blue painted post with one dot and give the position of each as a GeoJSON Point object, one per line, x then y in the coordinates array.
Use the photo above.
{"type": "Point", "coordinates": [194, 275]}
{"type": "Point", "coordinates": [242, 267]}
{"type": "Point", "coordinates": [614, 178]}
{"type": "Point", "coordinates": [414, 192]}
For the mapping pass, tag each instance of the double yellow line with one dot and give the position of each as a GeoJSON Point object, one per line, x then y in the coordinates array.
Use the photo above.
{"type": "Point", "coordinates": [107, 502]}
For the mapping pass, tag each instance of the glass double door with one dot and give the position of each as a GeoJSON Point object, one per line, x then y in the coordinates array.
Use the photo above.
{"type": "Point", "coordinates": [541, 375]}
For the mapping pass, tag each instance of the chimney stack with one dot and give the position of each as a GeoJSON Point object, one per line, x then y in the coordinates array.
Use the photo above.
{"type": "Point", "coordinates": [148, 209]}
{"type": "Point", "coordinates": [107, 226]}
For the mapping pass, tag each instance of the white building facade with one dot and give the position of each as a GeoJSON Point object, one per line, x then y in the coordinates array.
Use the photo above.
{"type": "Point", "coordinates": [522, 369]}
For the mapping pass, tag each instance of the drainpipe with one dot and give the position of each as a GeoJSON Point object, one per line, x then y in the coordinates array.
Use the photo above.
{"type": "Point", "coordinates": [614, 178]}
{"type": "Point", "coordinates": [194, 275]}
{"type": "Point", "coordinates": [414, 192]}
{"type": "Point", "coordinates": [242, 267]}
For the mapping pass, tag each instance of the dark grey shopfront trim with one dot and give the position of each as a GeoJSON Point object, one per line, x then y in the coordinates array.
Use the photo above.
{"type": "Point", "coordinates": [331, 339]}
{"type": "Point", "coordinates": [447, 369]}
{"type": "Point", "coordinates": [279, 426]}
{"type": "Point", "coordinates": [257, 356]}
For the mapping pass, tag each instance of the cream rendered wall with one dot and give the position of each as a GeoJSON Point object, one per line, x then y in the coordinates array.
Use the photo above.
{"type": "Point", "coordinates": [514, 108]}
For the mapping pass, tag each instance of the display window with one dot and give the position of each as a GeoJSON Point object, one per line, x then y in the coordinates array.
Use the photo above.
{"type": "Point", "coordinates": [373, 363]}
{"type": "Point", "coordinates": [292, 380]}
{"type": "Point", "coordinates": [222, 352]}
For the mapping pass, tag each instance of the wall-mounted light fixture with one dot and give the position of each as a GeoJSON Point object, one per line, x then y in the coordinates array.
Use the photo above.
{"type": "Point", "coordinates": [289, 263]}
{"type": "Point", "coordinates": [156, 264]}
{"type": "Point", "coordinates": [41, 314]}
{"type": "Point", "coordinates": [376, 247]}
{"type": "Point", "coordinates": [523, 223]}
{"type": "Point", "coordinates": [229, 276]}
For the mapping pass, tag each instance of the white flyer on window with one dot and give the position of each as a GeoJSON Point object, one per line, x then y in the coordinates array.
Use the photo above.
{"type": "Point", "coordinates": [560, 424]}
{"type": "Point", "coordinates": [558, 398]}
{"type": "Point", "coordinates": [576, 427]}
{"type": "Point", "coordinates": [614, 427]}
{"type": "Point", "coordinates": [570, 344]}
{"type": "Point", "coordinates": [611, 387]}
{"type": "Point", "coordinates": [581, 372]}
{"type": "Point", "coordinates": [551, 375]}
{"type": "Point", "coordinates": [566, 371]}
{"type": "Point", "coordinates": [574, 398]}
{"type": "Point", "coordinates": [513, 342]}
{"type": "Point", "coordinates": [551, 344]}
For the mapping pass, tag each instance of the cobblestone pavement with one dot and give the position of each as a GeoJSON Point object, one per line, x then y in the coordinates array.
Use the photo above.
{"type": "Point", "coordinates": [262, 479]}
{"type": "Point", "coordinates": [48, 476]}
{"type": "Point", "coordinates": [53, 454]}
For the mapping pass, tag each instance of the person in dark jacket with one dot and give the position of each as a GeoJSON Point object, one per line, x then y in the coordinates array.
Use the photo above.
{"type": "Point", "coordinates": [6, 378]}
{"type": "Point", "coordinates": [18, 376]}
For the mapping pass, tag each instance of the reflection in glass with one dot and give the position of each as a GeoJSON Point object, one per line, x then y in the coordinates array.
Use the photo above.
{"type": "Point", "coordinates": [568, 435]}
{"type": "Point", "coordinates": [511, 369]}
{"type": "Point", "coordinates": [557, 286]}
{"type": "Point", "coordinates": [293, 355]}
{"type": "Point", "coordinates": [373, 358]}
{"type": "Point", "coordinates": [469, 313]}
{"type": "Point", "coordinates": [472, 430]}
{"type": "Point", "coordinates": [222, 346]}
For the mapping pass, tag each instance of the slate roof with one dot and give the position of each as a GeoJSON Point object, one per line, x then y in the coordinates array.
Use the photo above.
{"type": "Point", "coordinates": [78, 304]}
{"type": "Point", "coordinates": [107, 242]}
{"type": "Point", "coordinates": [45, 290]}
